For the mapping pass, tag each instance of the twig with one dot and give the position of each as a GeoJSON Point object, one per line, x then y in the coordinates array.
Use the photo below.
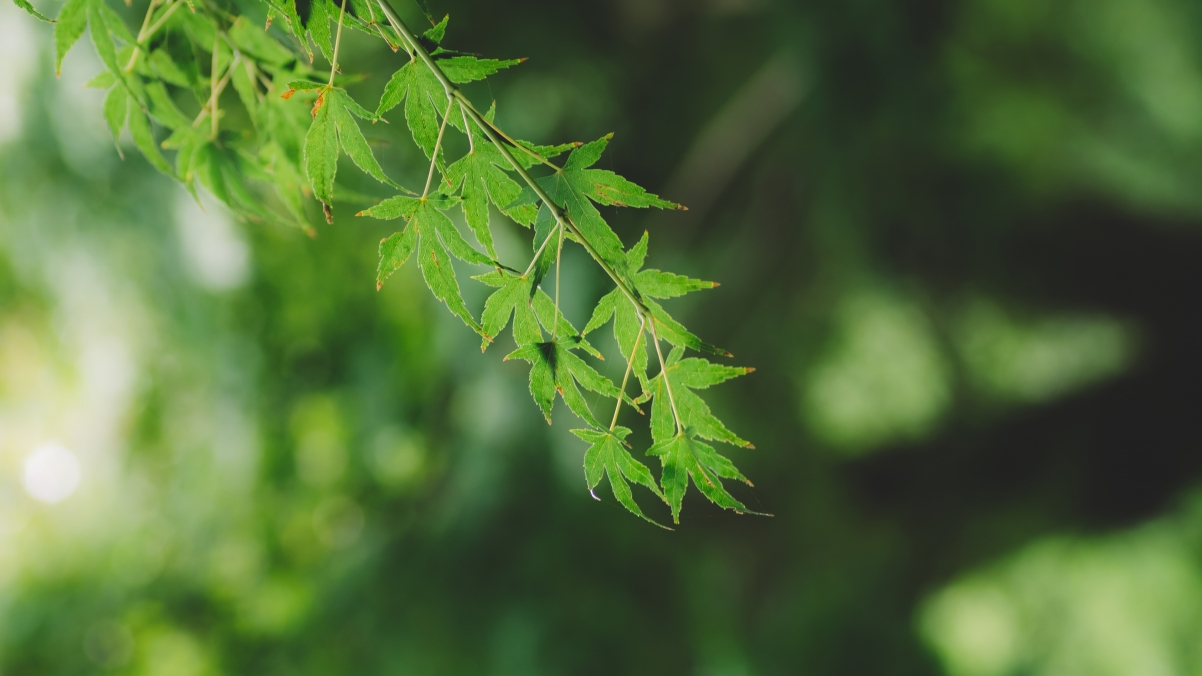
{"type": "Point", "coordinates": [626, 377]}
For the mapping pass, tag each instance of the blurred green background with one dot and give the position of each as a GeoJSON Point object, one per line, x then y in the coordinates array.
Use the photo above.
{"type": "Point", "coordinates": [959, 241]}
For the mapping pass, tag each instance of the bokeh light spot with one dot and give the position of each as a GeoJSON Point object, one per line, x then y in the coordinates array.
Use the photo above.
{"type": "Point", "coordinates": [51, 473]}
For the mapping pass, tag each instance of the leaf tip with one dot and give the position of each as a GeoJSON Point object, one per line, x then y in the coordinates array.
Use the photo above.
{"type": "Point", "coordinates": [328, 212]}
{"type": "Point", "coordinates": [379, 285]}
{"type": "Point", "coordinates": [748, 369]}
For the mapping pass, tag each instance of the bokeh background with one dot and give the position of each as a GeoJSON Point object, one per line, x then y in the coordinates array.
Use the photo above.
{"type": "Point", "coordinates": [958, 239]}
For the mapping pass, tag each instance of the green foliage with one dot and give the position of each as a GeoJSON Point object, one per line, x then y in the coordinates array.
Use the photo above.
{"type": "Point", "coordinates": [24, 4]}
{"type": "Point", "coordinates": [264, 132]}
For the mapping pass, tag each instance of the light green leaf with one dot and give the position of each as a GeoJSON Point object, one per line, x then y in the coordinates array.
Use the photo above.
{"type": "Point", "coordinates": [353, 142]}
{"type": "Point", "coordinates": [683, 457]}
{"type": "Point", "coordinates": [479, 178]}
{"type": "Point", "coordinates": [394, 251]}
{"type": "Point", "coordinates": [333, 126]}
{"type": "Point", "coordinates": [464, 69]}
{"type": "Point", "coordinates": [143, 136]}
{"type": "Point", "coordinates": [116, 106]}
{"type": "Point", "coordinates": [321, 156]}
{"type": "Point", "coordinates": [555, 362]}
{"type": "Point", "coordinates": [436, 266]}
{"type": "Point", "coordinates": [103, 80]}
{"type": "Point", "coordinates": [439, 31]}
{"type": "Point", "coordinates": [321, 13]}
{"type": "Point", "coordinates": [425, 102]}
{"type": "Point", "coordinates": [431, 230]}
{"type": "Point", "coordinates": [684, 376]}
{"type": "Point", "coordinates": [576, 188]}
{"type": "Point", "coordinates": [544, 308]}
{"type": "Point", "coordinates": [24, 4]}
{"type": "Point", "coordinates": [658, 284]}
{"type": "Point", "coordinates": [513, 297]}
{"type": "Point", "coordinates": [258, 43]}
{"type": "Point", "coordinates": [70, 24]}
{"type": "Point", "coordinates": [607, 455]}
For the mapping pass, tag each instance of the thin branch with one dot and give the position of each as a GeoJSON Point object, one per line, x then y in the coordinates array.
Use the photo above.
{"type": "Point", "coordinates": [558, 265]}
{"type": "Point", "coordinates": [214, 93]}
{"type": "Point", "coordinates": [471, 141]}
{"type": "Point", "coordinates": [337, 41]}
{"type": "Point", "coordinates": [133, 57]}
{"type": "Point", "coordinates": [437, 145]}
{"type": "Point", "coordinates": [663, 370]}
{"type": "Point", "coordinates": [626, 377]}
{"type": "Point", "coordinates": [204, 111]}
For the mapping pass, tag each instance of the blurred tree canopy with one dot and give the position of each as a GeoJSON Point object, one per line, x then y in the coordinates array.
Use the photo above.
{"type": "Point", "coordinates": [956, 238]}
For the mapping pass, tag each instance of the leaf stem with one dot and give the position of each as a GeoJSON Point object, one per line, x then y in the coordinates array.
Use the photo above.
{"type": "Point", "coordinates": [437, 145]}
{"type": "Point", "coordinates": [471, 141]}
{"type": "Point", "coordinates": [558, 265]}
{"type": "Point", "coordinates": [161, 20]}
{"type": "Point", "coordinates": [133, 57]}
{"type": "Point", "coordinates": [214, 92]}
{"type": "Point", "coordinates": [626, 377]}
{"type": "Point", "coordinates": [663, 369]}
{"type": "Point", "coordinates": [220, 88]}
{"type": "Point", "coordinates": [337, 41]}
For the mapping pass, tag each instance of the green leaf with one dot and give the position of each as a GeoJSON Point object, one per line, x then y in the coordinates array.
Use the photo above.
{"type": "Point", "coordinates": [554, 368]}
{"type": "Point", "coordinates": [425, 102]}
{"type": "Point", "coordinates": [394, 251]}
{"type": "Point", "coordinates": [479, 177]}
{"type": "Point", "coordinates": [333, 127]}
{"type": "Point", "coordinates": [167, 69]}
{"type": "Point", "coordinates": [256, 42]}
{"type": "Point", "coordinates": [70, 24]}
{"type": "Point", "coordinates": [658, 284]}
{"type": "Point", "coordinates": [439, 31]}
{"type": "Point", "coordinates": [464, 69]}
{"type": "Point", "coordinates": [321, 13]}
{"type": "Point", "coordinates": [103, 80]}
{"type": "Point", "coordinates": [24, 4]}
{"type": "Point", "coordinates": [544, 308]}
{"type": "Point", "coordinates": [116, 107]}
{"type": "Point", "coordinates": [163, 108]}
{"type": "Point", "coordinates": [607, 455]}
{"type": "Point", "coordinates": [576, 188]}
{"type": "Point", "coordinates": [684, 376]}
{"type": "Point", "coordinates": [143, 136]}
{"type": "Point", "coordinates": [434, 234]}
{"type": "Point", "coordinates": [682, 457]}
{"type": "Point", "coordinates": [513, 298]}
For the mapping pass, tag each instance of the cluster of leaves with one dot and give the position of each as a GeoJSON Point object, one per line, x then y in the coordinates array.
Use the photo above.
{"type": "Point", "coordinates": [274, 144]}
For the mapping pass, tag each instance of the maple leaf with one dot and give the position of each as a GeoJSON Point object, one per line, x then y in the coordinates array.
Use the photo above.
{"type": "Point", "coordinates": [576, 188]}
{"type": "Point", "coordinates": [627, 323]}
{"type": "Point", "coordinates": [435, 238]}
{"type": "Point", "coordinates": [684, 376]}
{"type": "Point", "coordinates": [334, 127]}
{"type": "Point", "coordinates": [555, 368]}
{"type": "Point", "coordinates": [607, 455]}
{"type": "Point", "coordinates": [683, 456]}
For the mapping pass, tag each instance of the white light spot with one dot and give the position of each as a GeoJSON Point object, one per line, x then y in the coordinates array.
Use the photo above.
{"type": "Point", "coordinates": [52, 473]}
{"type": "Point", "coordinates": [218, 257]}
